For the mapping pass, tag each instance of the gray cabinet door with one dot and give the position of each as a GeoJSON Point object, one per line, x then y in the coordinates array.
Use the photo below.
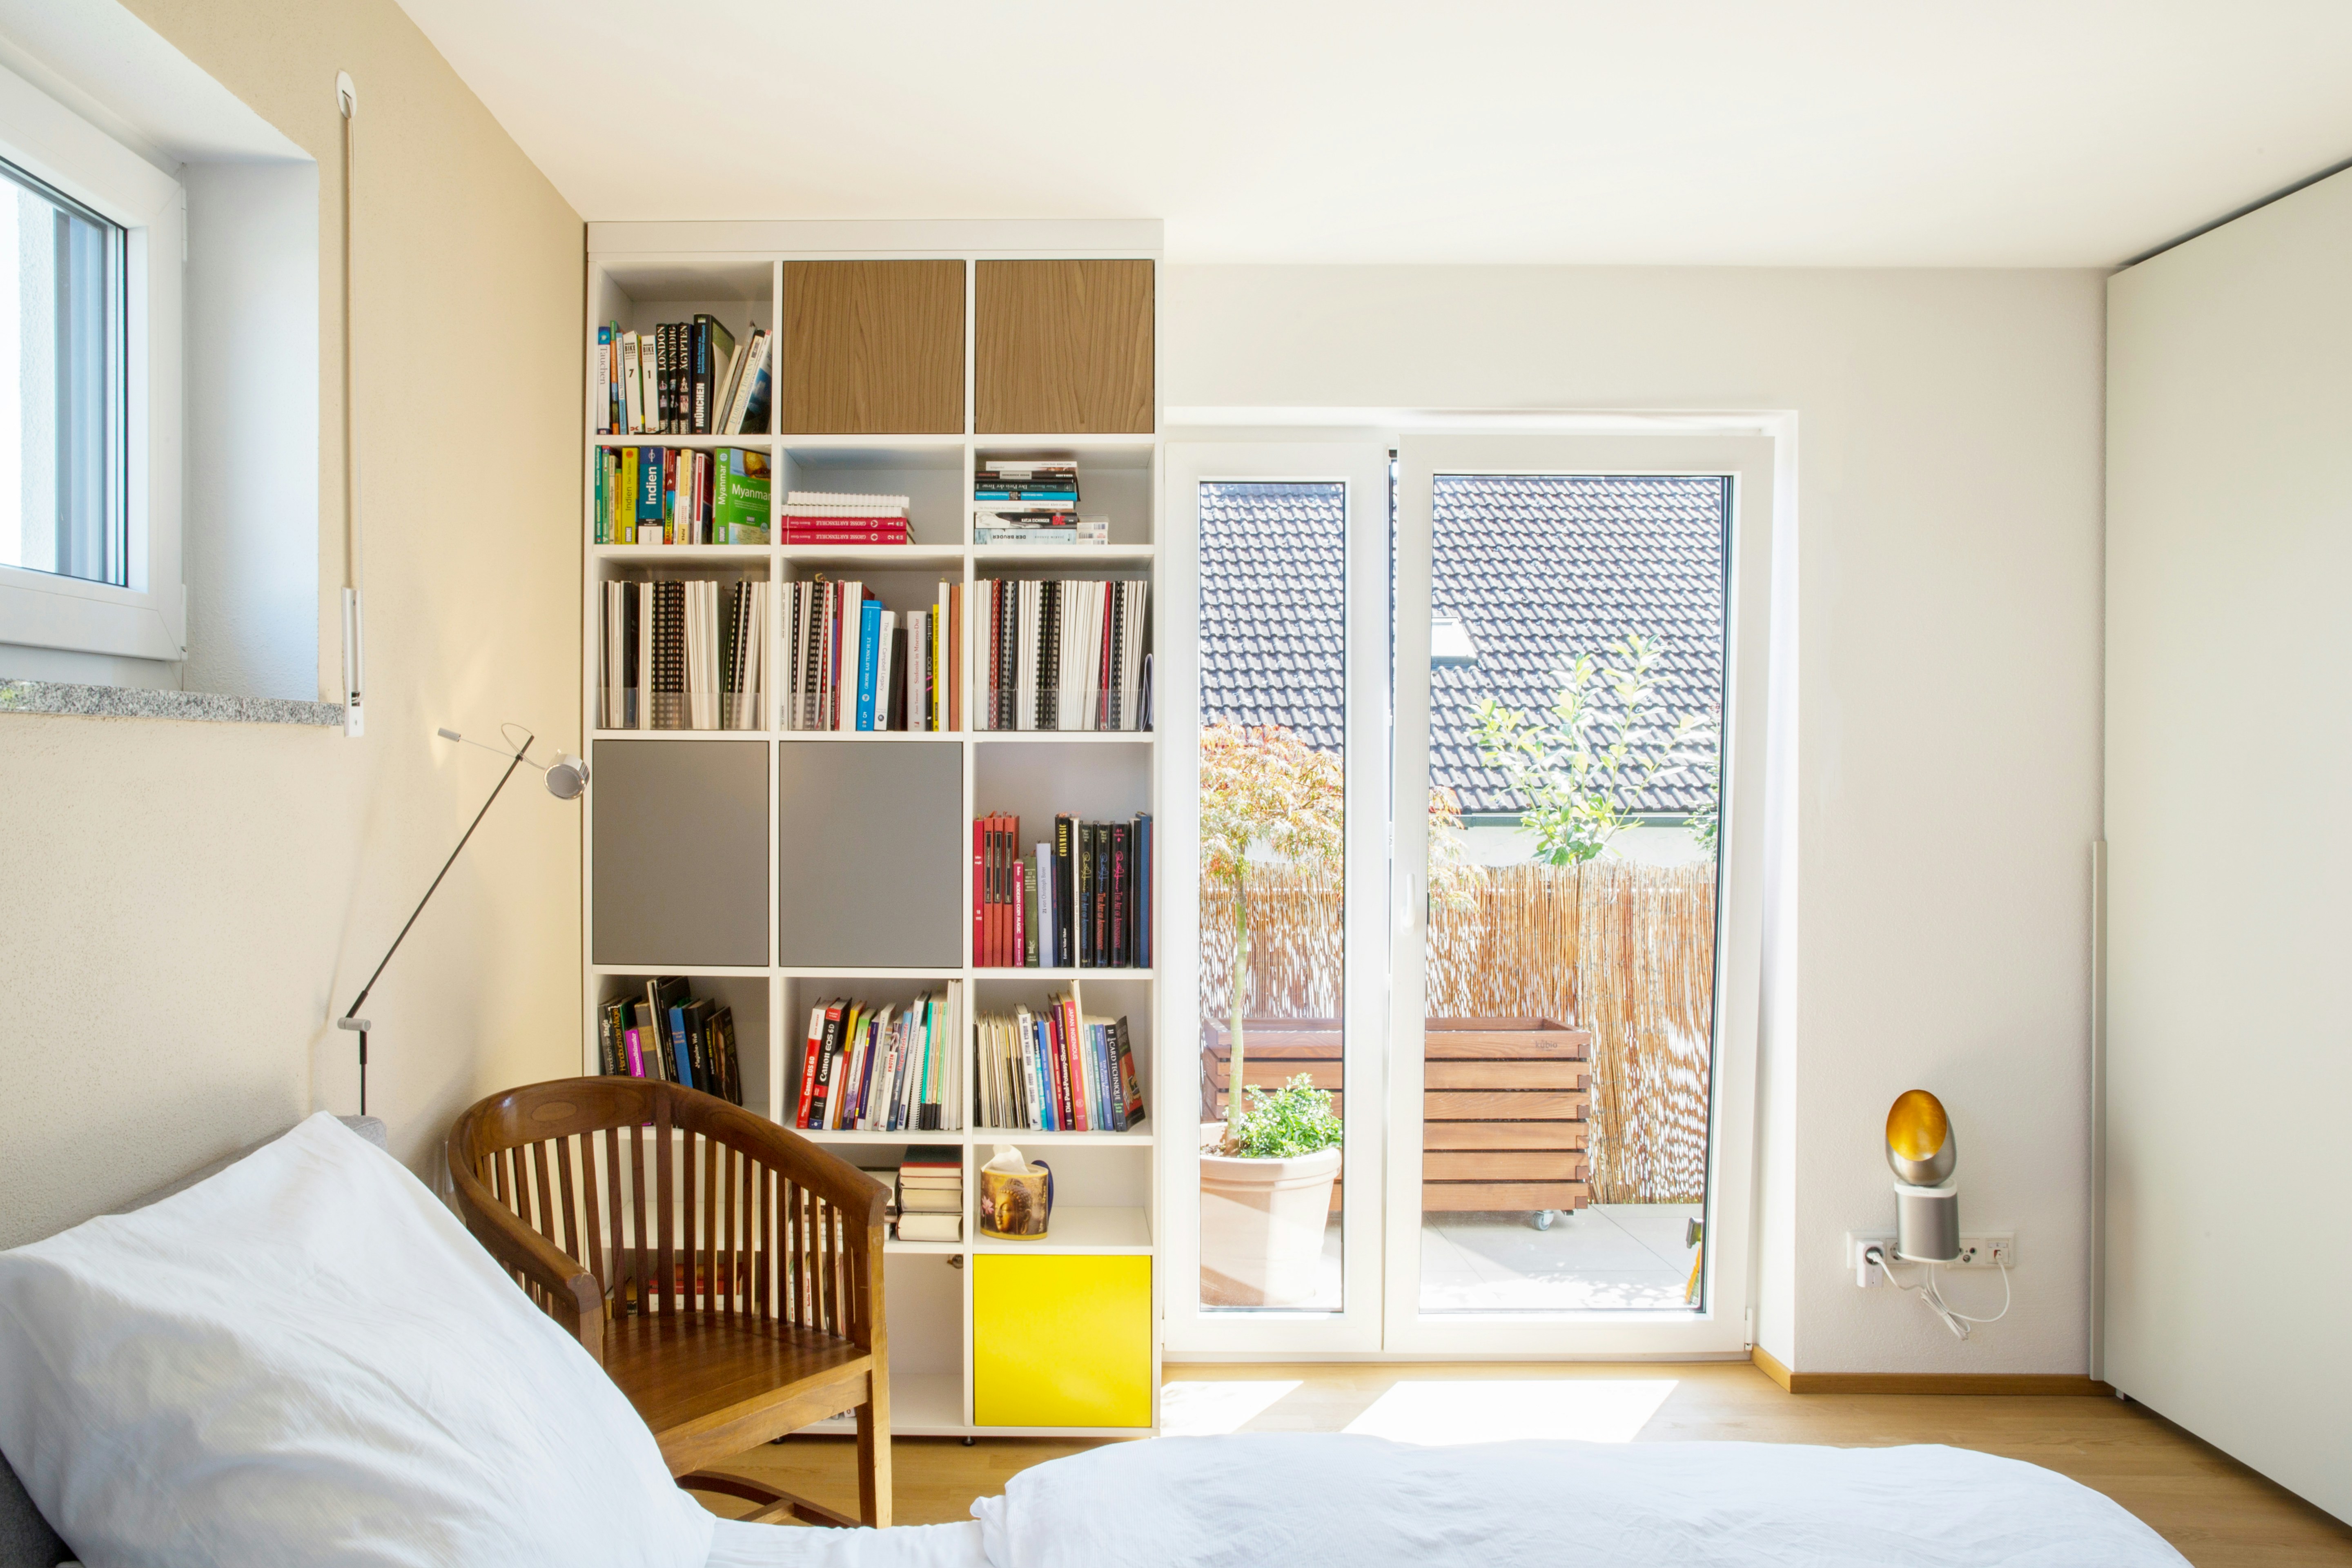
{"type": "Point", "coordinates": [681, 841]}
{"type": "Point", "coordinates": [874, 854]}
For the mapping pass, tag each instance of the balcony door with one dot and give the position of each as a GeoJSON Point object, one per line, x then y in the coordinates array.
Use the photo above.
{"type": "Point", "coordinates": [1527, 994]}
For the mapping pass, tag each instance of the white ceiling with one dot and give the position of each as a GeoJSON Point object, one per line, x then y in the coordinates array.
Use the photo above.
{"type": "Point", "coordinates": [1842, 133]}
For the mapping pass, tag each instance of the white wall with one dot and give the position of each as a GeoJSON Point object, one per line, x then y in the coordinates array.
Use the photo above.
{"type": "Point", "coordinates": [1948, 766]}
{"type": "Point", "coordinates": [2228, 679]}
{"type": "Point", "coordinates": [182, 905]}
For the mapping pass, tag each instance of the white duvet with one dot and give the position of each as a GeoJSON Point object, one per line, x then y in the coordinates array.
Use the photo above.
{"type": "Point", "coordinates": [1302, 1501]}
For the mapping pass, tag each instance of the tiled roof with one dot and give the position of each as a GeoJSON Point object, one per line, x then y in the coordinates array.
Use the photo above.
{"type": "Point", "coordinates": [1536, 567]}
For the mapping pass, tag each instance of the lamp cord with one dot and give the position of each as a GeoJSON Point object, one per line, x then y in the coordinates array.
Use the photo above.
{"type": "Point", "coordinates": [1931, 1292]}
{"type": "Point", "coordinates": [361, 1000]}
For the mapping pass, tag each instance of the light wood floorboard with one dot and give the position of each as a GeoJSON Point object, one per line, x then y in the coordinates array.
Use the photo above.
{"type": "Point", "coordinates": [2218, 1513]}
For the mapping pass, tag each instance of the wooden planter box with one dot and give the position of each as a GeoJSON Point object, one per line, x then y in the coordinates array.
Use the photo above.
{"type": "Point", "coordinates": [1502, 1103]}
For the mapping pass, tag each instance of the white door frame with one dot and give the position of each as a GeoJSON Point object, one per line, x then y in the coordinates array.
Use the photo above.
{"type": "Point", "coordinates": [1755, 465]}
{"type": "Point", "coordinates": [1362, 467]}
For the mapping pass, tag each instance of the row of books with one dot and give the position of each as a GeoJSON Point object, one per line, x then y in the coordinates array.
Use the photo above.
{"type": "Point", "coordinates": [881, 1067]}
{"type": "Point", "coordinates": [672, 1035]}
{"type": "Point", "coordinates": [926, 1189]}
{"type": "Point", "coordinates": [682, 655]}
{"type": "Point", "coordinates": [665, 495]}
{"type": "Point", "coordinates": [837, 516]}
{"type": "Point", "coordinates": [1064, 655]}
{"type": "Point", "coordinates": [682, 378]}
{"type": "Point", "coordinates": [1082, 901]}
{"type": "Point", "coordinates": [1052, 1072]}
{"type": "Point", "coordinates": [857, 666]}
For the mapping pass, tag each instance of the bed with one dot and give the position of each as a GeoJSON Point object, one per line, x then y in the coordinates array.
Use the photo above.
{"type": "Point", "coordinates": [306, 1360]}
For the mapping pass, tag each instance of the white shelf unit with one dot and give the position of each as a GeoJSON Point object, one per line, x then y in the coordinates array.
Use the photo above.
{"type": "Point", "coordinates": [1107, 1181]}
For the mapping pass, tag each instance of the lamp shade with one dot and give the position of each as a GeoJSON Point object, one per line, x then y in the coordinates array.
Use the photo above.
{"type": "Point", "coordinates": [1919, 1142]}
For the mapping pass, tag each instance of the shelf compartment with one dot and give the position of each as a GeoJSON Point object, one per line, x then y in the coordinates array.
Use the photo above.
{"type": "Point", "coordinates": [930, 476]}
{"type": "Point", "coordinates": [922, 1404]}
{"type": "Point", "coordinates": [1114, 482]}
{"type": "Point", "coordinates": [745, 994]}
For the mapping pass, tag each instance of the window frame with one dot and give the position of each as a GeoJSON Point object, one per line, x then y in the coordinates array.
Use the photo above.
{"type": "Point", "coordinates": [148, 618]}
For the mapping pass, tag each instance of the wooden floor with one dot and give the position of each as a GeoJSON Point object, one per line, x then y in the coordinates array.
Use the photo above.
{"type": "Point", "coordinates": [2217, 1512]}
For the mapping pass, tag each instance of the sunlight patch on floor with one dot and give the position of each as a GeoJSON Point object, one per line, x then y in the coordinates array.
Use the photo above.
{"type": "Point", "coordinates": [1206, 1409]}
{"type": "Point", "coordinates": [1593, 1410]}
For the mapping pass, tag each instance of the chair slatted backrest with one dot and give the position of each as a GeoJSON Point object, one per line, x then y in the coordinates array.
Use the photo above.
{"type": "Point", "coordinates": [678, 1202]}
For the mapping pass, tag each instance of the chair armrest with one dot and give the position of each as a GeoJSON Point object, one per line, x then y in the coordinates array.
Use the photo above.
{"type": "Point", "coordinates": [572, 1294]}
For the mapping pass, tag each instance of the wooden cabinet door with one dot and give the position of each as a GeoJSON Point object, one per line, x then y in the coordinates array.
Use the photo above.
{"type": "Point", "coordinates": [873, 348]}
{"type": "Point", "coordinates": [1063, 347]}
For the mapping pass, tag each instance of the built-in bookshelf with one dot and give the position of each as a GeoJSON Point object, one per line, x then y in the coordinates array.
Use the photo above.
{"type": "Point", "coordinates": [775, 868]}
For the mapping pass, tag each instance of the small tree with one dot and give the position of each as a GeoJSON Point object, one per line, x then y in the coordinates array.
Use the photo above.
{"type": "Point", "coordinates": [1262, 786]}
{"type": "Point", "coordinates": [1579, 773]}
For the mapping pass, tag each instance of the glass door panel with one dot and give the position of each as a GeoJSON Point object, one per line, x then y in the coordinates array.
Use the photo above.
{"type": "Point", "coordinates": [1273, 1238]}
{"type": "Point", "coordinates": [1560, 688]}
{"type": "Point", "coordinates": [1574, 719]}
{"type": "Point", "coordinates": [1274, 798]}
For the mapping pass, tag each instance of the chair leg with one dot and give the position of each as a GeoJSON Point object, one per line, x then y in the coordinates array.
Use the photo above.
{"type": "Point", "coordinates": [774, 1503]}
{"type": "Point", "coordinates": [873, 1453]}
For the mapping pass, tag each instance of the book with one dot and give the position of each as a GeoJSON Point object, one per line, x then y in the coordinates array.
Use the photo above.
{"type": "Point", "coordinates": [738, 511]}
{"type": "Point", "coordinates": [750, 382]}
{"type": "Point", "coordinates": [714, 345]}
{"type": "Point", "coordinates": [930, 1226]}
{"type": "Point", "coordinates": [869, 659]}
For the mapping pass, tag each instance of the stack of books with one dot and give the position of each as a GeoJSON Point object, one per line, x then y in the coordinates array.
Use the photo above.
{"type": "Point", "coordinates": [856, 665]}
{"type": "Point", "coordinates": [1067, 655]}
{"type": "Point", "coordinates": [832, 517]}
{"type": "Point", "coordinates": [673, 1036]}
{"type": "Point", "coordinates": [883, 1066]}
{"type": "Point", "coordinates": [1049, 1072]}
{"type": "Point", "coordinates": [681, 378]}
{"type": "Point", "coordinates": [1032, 503]}
{"type": "Point", "coordinates": [931, 1193]}
{"type": "Point", "coordinates": [1081, 901]}
{"type": "Point", "coordinates": [682, 655]}
{"type": "Point", "coordinates": [665, 495]}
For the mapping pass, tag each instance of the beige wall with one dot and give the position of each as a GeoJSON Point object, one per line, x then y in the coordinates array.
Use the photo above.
{"type": "Point", "coordinates": [1947, 749]}
{"type": "Point", "coordinates": [182, 907]}
{"type": "Point", "coordinates": [2228, 546]}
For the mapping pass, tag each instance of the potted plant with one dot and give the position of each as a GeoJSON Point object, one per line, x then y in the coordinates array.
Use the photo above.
{"type": "Point", "coordinates": [1265, 1198]}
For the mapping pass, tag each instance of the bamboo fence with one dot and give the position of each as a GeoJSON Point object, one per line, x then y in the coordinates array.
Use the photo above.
{"type": "Point", "coordinates": [1624, 950]}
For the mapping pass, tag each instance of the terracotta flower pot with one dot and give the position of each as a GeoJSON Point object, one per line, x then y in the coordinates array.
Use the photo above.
{"type": "Point", "coordinates": [1262, 1228]}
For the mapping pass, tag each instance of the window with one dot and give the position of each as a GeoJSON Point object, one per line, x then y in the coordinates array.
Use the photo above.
{"type": "Point", "coordinates": [91, 251]}
{"type": "Point", "coordinates": [61, 414]}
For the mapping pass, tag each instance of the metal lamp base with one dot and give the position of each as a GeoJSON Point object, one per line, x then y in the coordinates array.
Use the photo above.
{"type": "Point", "coordinates": [1926, 1224]}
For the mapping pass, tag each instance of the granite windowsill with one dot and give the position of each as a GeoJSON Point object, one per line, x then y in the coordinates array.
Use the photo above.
{"type": "Point", "coordinates": [55, 697]}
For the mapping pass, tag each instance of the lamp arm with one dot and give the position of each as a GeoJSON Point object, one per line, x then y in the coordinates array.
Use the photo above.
{"type": "Point", "coordinates": [361, 1000]}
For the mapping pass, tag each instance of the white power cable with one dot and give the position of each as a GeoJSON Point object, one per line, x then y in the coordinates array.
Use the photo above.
{"type": "Point", "coordinates": [1931, 1292]}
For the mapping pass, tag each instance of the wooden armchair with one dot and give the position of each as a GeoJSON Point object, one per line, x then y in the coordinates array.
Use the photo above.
{"type": "Point", "coordinates": [725, 1272]}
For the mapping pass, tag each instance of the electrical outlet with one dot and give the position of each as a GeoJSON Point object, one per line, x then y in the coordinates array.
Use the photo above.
{"type": "Point", "coordinates": [1987, 1249]}
{"type": "Point", "coordinates": [1993, 1249]}
{"type": "Point", "coordinates": [1868, 1275]}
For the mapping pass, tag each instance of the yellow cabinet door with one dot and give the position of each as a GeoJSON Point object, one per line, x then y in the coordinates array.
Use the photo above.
{"type": "Point", "coordinates": [1060, 1340]}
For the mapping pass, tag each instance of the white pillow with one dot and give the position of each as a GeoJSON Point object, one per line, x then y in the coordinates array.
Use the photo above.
{"type": "Point", "coordinates": [305, 1360]}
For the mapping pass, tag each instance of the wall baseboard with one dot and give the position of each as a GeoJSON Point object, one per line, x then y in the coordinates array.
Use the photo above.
{"type": "Point", "coordinates": [2044, 1384]}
